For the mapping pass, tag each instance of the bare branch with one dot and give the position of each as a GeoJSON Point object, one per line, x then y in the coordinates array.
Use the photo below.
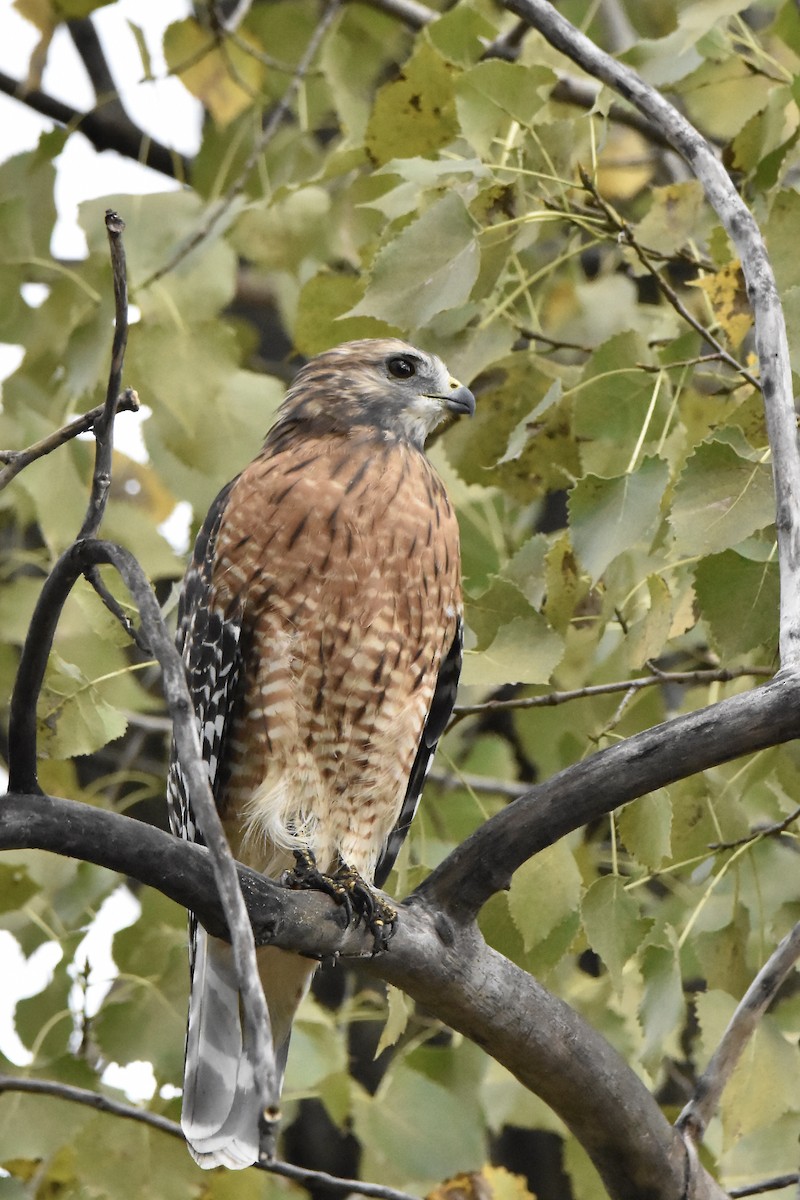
{"type": "Point", "coordinates": [18, 460]}
{"type": "Point", "coordinates": [771, 340]}
{"type": "Point", "coordinates": [694, 1119]}
{"type": "Point", "coordinates": [104, 425]}
{"type": "Point", "coordinates": [217, 211]}
{"type": "Point", "coordinates": [757, 834]}
{"type": "Point", "coordinates": [685, 678]}
{"type": "Point", "coordinates": [106, 130]}
{"type": "Point", "coordinates": [105, 1104]}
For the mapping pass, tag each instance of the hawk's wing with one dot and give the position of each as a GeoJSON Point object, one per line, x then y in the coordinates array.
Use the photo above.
{"type": "Point", "coordinates": [444, 698]}
{"type": "Point", "coordinates": [208, 641]}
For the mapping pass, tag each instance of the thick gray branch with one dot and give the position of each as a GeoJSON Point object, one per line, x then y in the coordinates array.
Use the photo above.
{"type": "Point", "coordinates": [446, 967]}
{"type": "Point", "coordinates": [771, 341]}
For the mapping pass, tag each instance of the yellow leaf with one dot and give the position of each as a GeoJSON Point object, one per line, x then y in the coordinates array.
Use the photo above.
{"type": "Point", "coordinates": [728, 299]}
{"type": "Point", "coordinates": [225, 81]}
{"type": "Point", "coordinates": [625, 165]}
{"type": "Point", "coordinates": [490, 1183]}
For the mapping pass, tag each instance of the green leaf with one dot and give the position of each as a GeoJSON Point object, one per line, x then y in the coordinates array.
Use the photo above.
{"type": "Point", "coordinates": [672, 218]}
{"type": "Point", "coordinates": [610, 516]}
{"type": "Point", "coordinates": [739, 601]}
{"type": "Point", "coordinates": [415, 114]}
{"type": "Point", "coordinates": [429, 267]}
{"type": "Point", "coordinates": [399, 1010]}
{"type": "Point", "coordinates": [418, 1132]}
{"type": "Point", "coordinates": [16, 887]}
{"type": "Point", "coordinates": [544, 892]}
{"type": "Point", "coordinates": [492, 94]}
{"type": "Point", "coordinates": [662, 1010]}
{"type": "Point", "coordinates": [73, 716]}
{"type": "Point", "coordinates": [645, 826]}
{"type": "Point", "coordinates": [526, 650]}
{"type": "Point", "coordinates": [719, 500]}
{"type": "Point", "coordinates": [612, 923]}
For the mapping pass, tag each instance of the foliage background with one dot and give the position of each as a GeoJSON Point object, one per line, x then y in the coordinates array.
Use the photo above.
{"type": "Point", "coordinates": [615, 501]}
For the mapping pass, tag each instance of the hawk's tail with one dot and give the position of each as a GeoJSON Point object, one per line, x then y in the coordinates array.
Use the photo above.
{"type": "Point", "coordinates": [220, 1111]}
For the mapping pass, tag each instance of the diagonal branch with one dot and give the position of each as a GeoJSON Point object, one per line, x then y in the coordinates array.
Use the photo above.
{"type": "Point", "coordinates": [771, 340]}
{"type": "Point", "coordinates": [106, 1104]}
{"type": "Point", "coordinates": [693, 1121]}
{"type": "Point", "coordinates": [106, 130]}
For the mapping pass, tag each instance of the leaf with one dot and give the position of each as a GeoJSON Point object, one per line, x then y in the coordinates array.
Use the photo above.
{"type": "Point", "coordinates": [662, 1010]}
{"type": "Point", "coordinates": [16, 887]}
{"type": "Point", "coordinates": [399, 1010]}
{"type": "Point", "coordinates": [492, 94]}
{"type": "Point", "coordinates": [526, 650]}
{"type": "Point", "coordinates": [612, 923]}
{"type": "Point", "coordinates": [415, 1130]}
{"type": "Point", "coordinates": [73, 716]}
{"type": "Point", "coordinates": [415, 114]}
{"type": "Point", "coordinates": [490, 1183]}
{"type": "Point", "coordinates": [544, 891]}
{"type": "Point", "coordinates": [609, 516]}
{"type": "Point", "coordinates": [430, 266]}
{"type": "Point", "coordinates": [719, 500]}
{"type": "Point", "coordinates": [223, 80]}
{"type": "Point", "coordinates": [645, 826]}
{"type": "Point", "coordinates": [727, 297]}
{"type": "Point", "coordinates": [739, 601]}
{"type": "Point", "coordinates": [672, 218]}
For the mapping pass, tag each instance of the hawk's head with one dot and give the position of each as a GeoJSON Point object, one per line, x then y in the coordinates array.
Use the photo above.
{"type": "Point", "coordinates": [378, 383]}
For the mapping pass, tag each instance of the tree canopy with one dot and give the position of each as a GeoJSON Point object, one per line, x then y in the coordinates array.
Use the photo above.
{"type": "Point", "coordinates": [482, 182]}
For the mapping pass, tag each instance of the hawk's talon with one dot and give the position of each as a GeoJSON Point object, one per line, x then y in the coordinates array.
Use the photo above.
{"type": "Point", "coordinates": [353, 894]}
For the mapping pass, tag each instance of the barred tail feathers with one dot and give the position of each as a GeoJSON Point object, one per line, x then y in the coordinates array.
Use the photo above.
{"type": "Point", "coordinates": [220, 1112]}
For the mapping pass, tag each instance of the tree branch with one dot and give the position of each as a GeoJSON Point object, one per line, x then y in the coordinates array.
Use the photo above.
{"type": "Point", "coordinates": [771, 340]}
{"type": "Point", "coordinates": [105, 129]}
{"type": "Point", "coordinates": [105, 1104]}
{"type": "Point", "coordinates": [18, 460]}
{"type": "Point", "coordinates": [697, 678]}
{"type": "Point", "coordinates": [694, 1119]}
{"type": "Point", "coordinates": [484, 863]}
{"type": "Point", "coordinates": [104, 425]}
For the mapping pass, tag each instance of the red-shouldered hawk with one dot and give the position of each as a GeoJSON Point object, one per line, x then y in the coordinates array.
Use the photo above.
{"type": "Point", "coordinates": [321, 628]}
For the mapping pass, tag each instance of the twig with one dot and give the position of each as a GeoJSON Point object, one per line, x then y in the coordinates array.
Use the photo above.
{"type": "Point", "coordinates": [18, 460]}
{"type": "Point", "coordinates": [478, 783]}
{"type": "Point", "coordinates": [105, 129]}
{"type": "Point", "coordinates": [766, 1185]}
{"type": "Point", "coordinates": [627, 237]}
{"type": "Point", "coordinates": [758, 834]}
{"type": "Point", "coordinates": [698, 1112]}
{"type": "Point", "coordinates": [771, 340]}
{"type": "Point", "coordinates": [279, 112]}
{"type": "Point", "coordinates": [115, 1108]}
{"type": "Point", "coordinates": [414, 14]}
{"type": "Point", "coordinates": [104, 425]}
{"type": "Point", "coordinates": [92, 577]}
{"type": "Point", "coordinates": [684, 678]}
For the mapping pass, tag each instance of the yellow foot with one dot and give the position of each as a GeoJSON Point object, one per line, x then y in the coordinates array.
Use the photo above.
{"type": "Point", "coordinates": [359, 901]}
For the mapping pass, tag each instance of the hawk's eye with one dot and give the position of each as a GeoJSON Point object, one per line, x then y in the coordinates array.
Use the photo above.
{"type": "Point", "coordinates": [401, 368]}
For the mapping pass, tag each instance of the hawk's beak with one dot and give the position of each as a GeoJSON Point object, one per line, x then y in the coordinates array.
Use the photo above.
{"type": "Point", "coordinates": [460, 400]}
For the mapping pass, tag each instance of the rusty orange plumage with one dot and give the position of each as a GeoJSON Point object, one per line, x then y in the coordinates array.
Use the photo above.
{"type": "Point", "coordinates": [321, 629]}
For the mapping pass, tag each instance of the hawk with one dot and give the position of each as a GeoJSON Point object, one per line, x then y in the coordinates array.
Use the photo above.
{"type": "Point", "coordinates": [320, 625]}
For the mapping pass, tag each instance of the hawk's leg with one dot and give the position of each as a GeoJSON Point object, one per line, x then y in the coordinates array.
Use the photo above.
{"type": "Point", "coordinates": [347, 888]}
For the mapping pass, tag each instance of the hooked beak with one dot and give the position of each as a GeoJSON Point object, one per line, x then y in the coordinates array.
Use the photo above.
{"type": "Point", "coordinates": [460, 400]}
